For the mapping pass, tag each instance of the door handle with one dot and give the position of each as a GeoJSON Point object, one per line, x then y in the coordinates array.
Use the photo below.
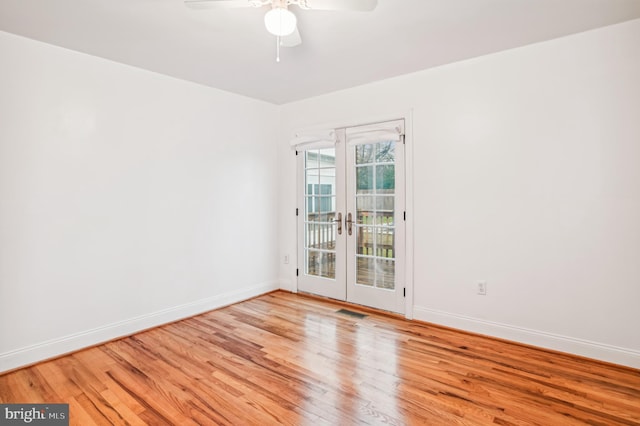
{"type": "Point", "coordinates": [338, 220]}
{"type": "Point", "coordinates": [349, 223]}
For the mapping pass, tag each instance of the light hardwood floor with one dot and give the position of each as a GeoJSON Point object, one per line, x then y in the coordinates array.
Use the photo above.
{"type": "Point", "coordinates": [291, 359]}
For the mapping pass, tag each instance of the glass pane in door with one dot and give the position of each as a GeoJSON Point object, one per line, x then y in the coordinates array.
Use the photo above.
{"type": "Point", "coordinates": [320, 206]}
{"type": "Point", "coordinates": [374, 223]}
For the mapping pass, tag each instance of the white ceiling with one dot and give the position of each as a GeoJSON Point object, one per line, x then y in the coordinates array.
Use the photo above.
{"type": "Point", "coordinates": [231, 50]}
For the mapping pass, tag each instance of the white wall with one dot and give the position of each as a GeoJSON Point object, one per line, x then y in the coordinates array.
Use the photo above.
{"type": "Point", "coordinates": [127, 199]}
{"type": "Point", "coordinates": [527, 175]}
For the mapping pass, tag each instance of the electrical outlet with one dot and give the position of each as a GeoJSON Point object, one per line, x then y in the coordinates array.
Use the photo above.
{"type": "Point", "coordinates": [286, 259]}
{"type": "Point", "coordinates": [482, 288]}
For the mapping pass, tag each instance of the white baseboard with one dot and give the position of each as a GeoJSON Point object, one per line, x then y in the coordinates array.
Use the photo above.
{"type": "Point", "coordinates": [288, 285]}
{"type": "Point", "coordinates": [586, 348]}
{"type": "Point", "coordinates": [73, 342]}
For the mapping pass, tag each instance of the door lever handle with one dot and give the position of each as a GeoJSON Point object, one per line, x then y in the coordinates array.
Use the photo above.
{"type": "Point", "coordinates": [349, 223]}
{"type": "Point", "coordinates": [338, 220]}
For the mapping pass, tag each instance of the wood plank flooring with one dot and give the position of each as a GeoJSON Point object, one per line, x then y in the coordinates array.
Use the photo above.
{"type": "Point", "coordinates": [290, 359]}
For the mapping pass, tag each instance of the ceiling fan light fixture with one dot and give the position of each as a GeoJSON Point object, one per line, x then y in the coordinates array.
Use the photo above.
{"type": "Point", "coordinates": [280, 21]}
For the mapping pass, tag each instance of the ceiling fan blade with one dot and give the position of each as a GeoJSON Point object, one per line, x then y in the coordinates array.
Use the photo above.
{"type": "Point", "coordinates": [291, 40]}
{"type": "Point", "coordinates": [357, 5]}
{"type": "Point", "coordinates": [216, 4]}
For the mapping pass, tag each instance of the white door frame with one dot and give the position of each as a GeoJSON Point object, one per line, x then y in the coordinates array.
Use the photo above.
{"type": "Point", "coordinates": [409, 191]}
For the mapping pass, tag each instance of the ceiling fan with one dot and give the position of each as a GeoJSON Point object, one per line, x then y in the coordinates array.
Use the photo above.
{"type": "Point", "coordinates": [279, 20]}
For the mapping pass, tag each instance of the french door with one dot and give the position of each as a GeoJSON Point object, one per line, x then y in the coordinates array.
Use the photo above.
{"type": "Point", "coordinates": [351, 228]}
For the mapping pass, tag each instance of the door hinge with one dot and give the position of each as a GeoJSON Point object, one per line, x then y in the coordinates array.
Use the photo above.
{"type": "Point", "coordinates": [296, 152]}
{"type": "Point", "coordinates": [404, 292]}
{"type": "Point", "coordinates": [403, 138]}
{"type": "Point", "coordinates": [297, 271]}
{"type": "Point", "coordinates": [296, 211]}
{"type": "Point", "coordinates": [404, 215]}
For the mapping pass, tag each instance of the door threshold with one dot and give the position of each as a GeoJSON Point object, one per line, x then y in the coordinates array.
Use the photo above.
{"type": "Point", "coordinates": [352, 306]}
